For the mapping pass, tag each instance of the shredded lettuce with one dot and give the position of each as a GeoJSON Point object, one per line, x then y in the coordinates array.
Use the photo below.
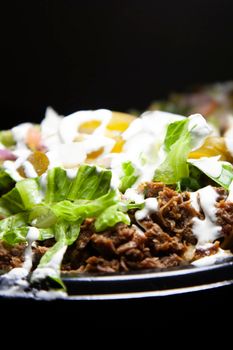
{"type": "Point", "coordinates": [129, 176]}
{"type": "Point", "coordinates": [6, 182]}
{"type": "Point", "coordinates": [24, 196]}
{"type": "Point", "coordinates": [110, 217]}
{"type": "Point", "coordinates": [181, 138]}
{"type": "Point", "coordinates": [4, 211]}
{"type": "Point", "coordinates": [50, 263]}
{"type": "Point", "coordinates": [41, 216]}
{"type": "Point", "coordinates": [58, 185]}
{"type": "Point", "coordinates": [191, 183]}
{"type": "Point", "coordinates": [174, 132]}
{"type": "Point", "coordinates": [209, 166]}
{"type": "Point", "coordinates": [90, 183]}
{"type": "Point", "coordinates": [177, 145]}
{"type": "Point", "coordinates": [84, 208]}
{"type": "Point", "coordinates": [14, 229]}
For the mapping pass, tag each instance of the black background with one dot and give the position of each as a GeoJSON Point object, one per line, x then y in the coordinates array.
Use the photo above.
{"type": "Point", "coordinates": [108, 54]}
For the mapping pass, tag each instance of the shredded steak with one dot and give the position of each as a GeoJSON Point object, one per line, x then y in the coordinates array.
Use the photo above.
{"type": "Point", "coordinates": [11, 256]}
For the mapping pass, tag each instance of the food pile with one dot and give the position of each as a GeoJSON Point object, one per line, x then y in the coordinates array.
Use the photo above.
{"type": "Point", "coordinates": [104, 192]}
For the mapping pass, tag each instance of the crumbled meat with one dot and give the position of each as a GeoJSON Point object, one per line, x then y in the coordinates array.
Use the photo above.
{"type": "Point", "coordinates": [159, 241]}
{"type": "Point", "coordinates": [128, 248]}
{"type": "Point", "coordinates": [152, 189]}
{"type": "Point", "coordinates": [163, 240]}
{"type": "Point", "coordinates": [201, 252]}
{"type": "Point", "coordinates": [225, 220]}
{"type": "Point", "coordinates": [99, 264]}
{"type": "Point", "coordinates": [11, 256]}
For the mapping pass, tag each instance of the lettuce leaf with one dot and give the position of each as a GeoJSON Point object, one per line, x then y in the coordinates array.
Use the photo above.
{"type": "Point", "coordinates": [50, 263]}
{"type": "Point", "coordinates": [41, 216]}
{"type": "Point", "coordinates": [58, 185]}
{"type": "Point", "coordinates": [177, 144]}
{"type": "Point", "coordinates": [90, 183]}
{"type": "Point", "coordinates": [209, 166]}
{"type": "Point", "coordinates": [11, 228]}
{"type": "Point", "coordinates": [129, 177]}
{"type": "Point", "coordinates": [182, 137]}
{"type": "Point", "coordinates": [14, 229]}
{"type": "Point", "coordinates": [84, 208]}
{"type": "Point", "coordinates": [4, 211]}
{"type": "Point", "coordinates": [6, 182]}
{"type": "Point", "coordinates": [110, 217]}
{"type": "Point", "coordinates": [24, 196]}
{"type": "Point", "coordinates": [174, 132]}
{"type": "Point", "coordinates": [67, 231]}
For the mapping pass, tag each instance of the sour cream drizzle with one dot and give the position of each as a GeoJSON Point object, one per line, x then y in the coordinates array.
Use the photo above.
{"type": "Point", "coordinates": [29, 170]}
{"type": "Point", "coordinates": [151, 206]}
{"type": "Point", "coordinates": [206, 230]}
{"type": "Point", "coordinates": [69, 127]}
{"type": "Point", "coordinates": [52, 268]}
{"type": "Point", "coordinates": [213, 259]}
{"type": "Point", "coordinates": [17, 275]}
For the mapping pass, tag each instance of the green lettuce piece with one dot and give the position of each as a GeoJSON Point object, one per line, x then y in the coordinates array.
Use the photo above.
{"type": "Point", "coordinates": [83, 208]}
{"type": "Point", "coordinates": [191, 183]}
{"type": "Point", "coordinates": [24, 196]}
{"type": "Point", "coordinates": [129, 177]}
{"type": "Point", "coordinates": [58, 185]}
{"type": "Point", "coordinates": [4, 211]}
{"type": "Point", "coordinates": [6, 182]}
{"type": "Point", "coordinates": [177, 144]}
{"type": "Point", "coordinates": [67, 231]}
{"type": "Point", "coordinates": [15, 236]}
{"type": "Point", "coordinates": [12, 201]}
{"type": "Point", "coordinates": [110, 217]}
{"type": "Point", "coordinates": [29, 192]}
{"type": "Point", "coordinates": [226, 170]}
{"type": "Point", "coordinates": [14, 229]}
{"type": "Point", "coordinates": [41, 216]}
{"type": "Point", "coordinates": [174, 132]}
{"type": "Point", "coordinates": [90, 183]}
{"type": "Point", "coordinates": [45, 233]}
{"type": "Point", "coordinates": [50, 263]}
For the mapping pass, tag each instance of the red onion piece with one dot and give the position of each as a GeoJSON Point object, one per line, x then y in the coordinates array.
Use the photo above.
{"type": "Point", "coordinates": [5, 154]}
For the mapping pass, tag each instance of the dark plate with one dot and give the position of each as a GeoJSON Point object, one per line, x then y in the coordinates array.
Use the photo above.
{"type": "Point", "coordinates": [149, 283]}
{"type": "Point", "coordinates": [142, 284]}
{"type": "Point", "coordinates": [133, 298]}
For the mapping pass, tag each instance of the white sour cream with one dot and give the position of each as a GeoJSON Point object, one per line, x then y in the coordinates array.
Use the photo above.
{"type": "Point", "coordinates": [220, 256]}
{"type": "Point", "coordinates": [199, 129]}
{"type": "Point", "coordinates": [230, 195]}
{"type": "Point", "coordinates": [20, 132]}
{"type": "Point", "coordinates": [68, 155]}
{"type": "Point", "coordinates": [206, 230]}
{"type": "Point", "coordinates": [209, 165]}
{"type": "Point", "coordinates": [133, 195]}
{"type": "Point", "coordinates": [69, 127]}
{"type": "Point", "coordinates": [151, 206]}
{"type": "Point", "coordinates": [29, 170]}
{"type": "Point", "coordinates": [15, 279]}
{"type": "Point", "coordinates": [52, 268]}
